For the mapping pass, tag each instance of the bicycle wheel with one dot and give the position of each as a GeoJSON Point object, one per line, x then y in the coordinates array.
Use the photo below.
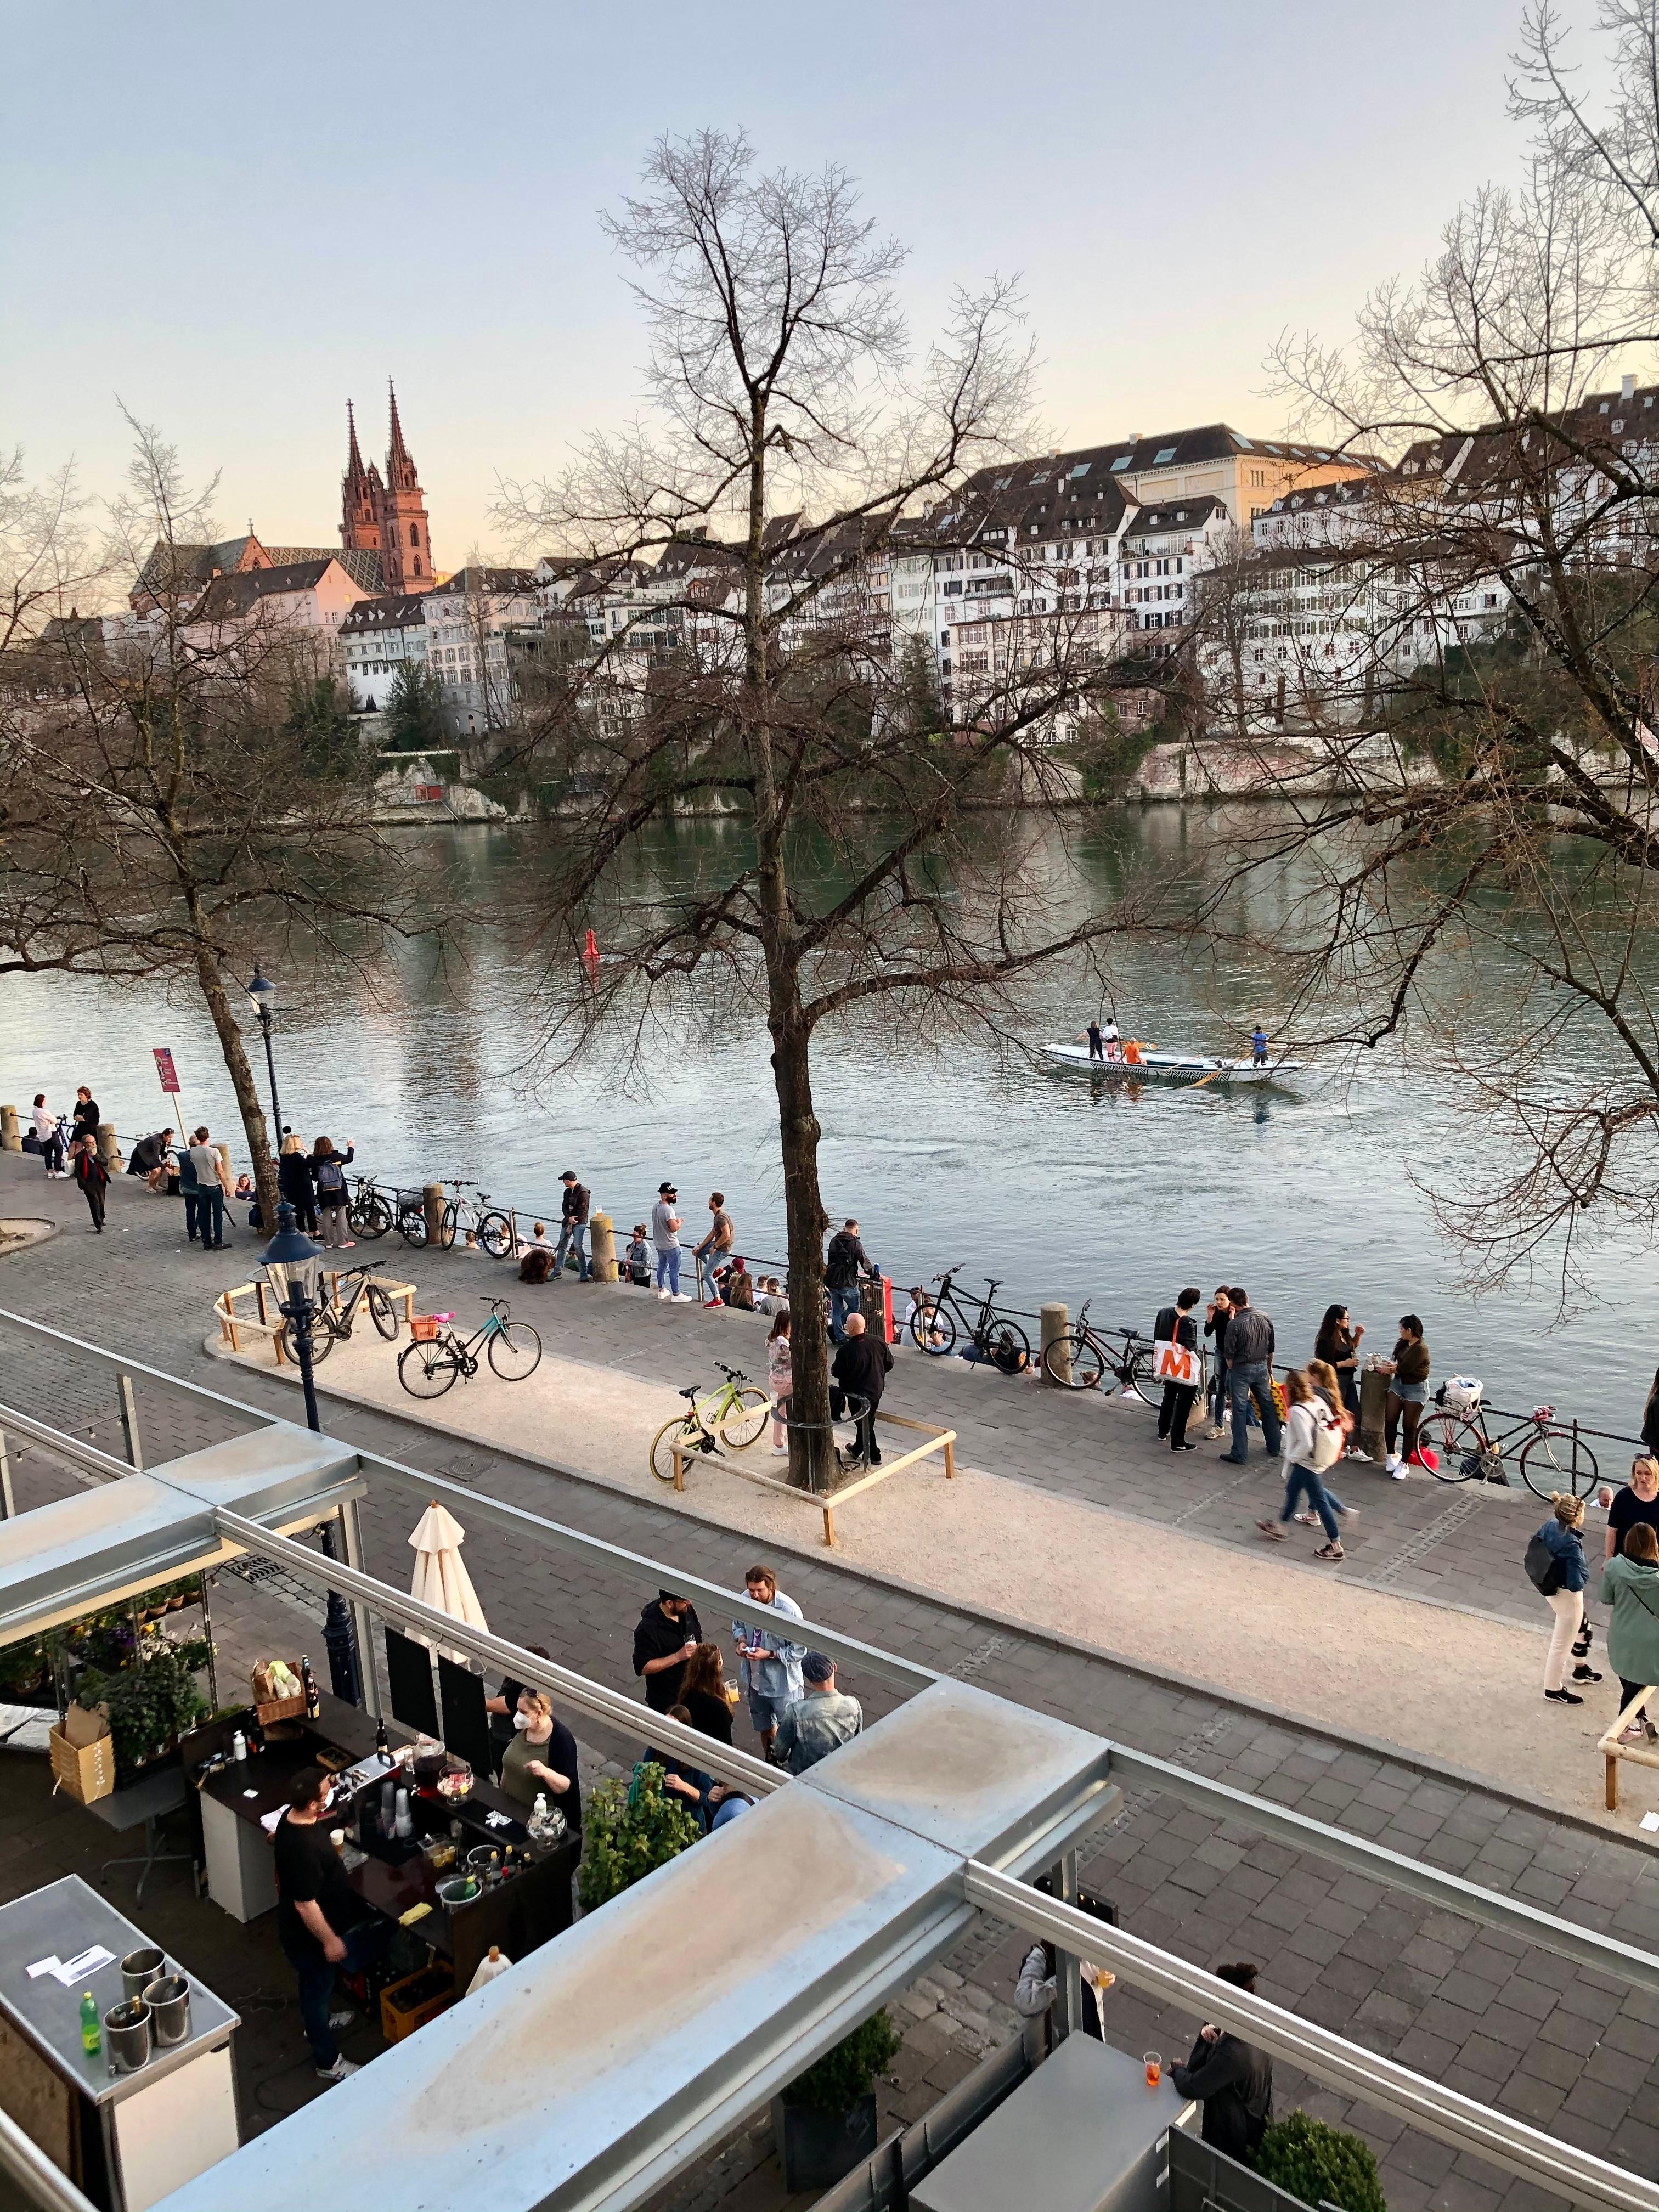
{"type": "Point", "coordinates": [1074, 1361]}
{"type": "Point", "coordinates": [322, 1340]}
{"type": "Point", "coordinates": [1137, 1374]}
{"type": "Point", "coordinates": [496, 1235]}
{"type": "Point", "coordinates": [934, 1332]}
{"type": "Point", "coordinates": [683, 1431]}
{"type": "Point", "coordinates": [411, 1227]}
{"type": "Point", "coordinates": [446, 1221]}
{"type": "Point", "coordinates": [515, 1350]}
{"type": "Point", "coordinates": [1554, 1460]}
{"type": "Point", "coordinates": [369, 1215]}
{"type": "Point", "coordinates": [382, 1312]}
{"type": "Point", "coordinates": [745, 1418]}
{"type": "Point", "coordinates": [1009, 1347]}
{"type": "Point", "coordinates": [426, 1371]}
{"type": "Point", "coordinates": [1457, 1445]}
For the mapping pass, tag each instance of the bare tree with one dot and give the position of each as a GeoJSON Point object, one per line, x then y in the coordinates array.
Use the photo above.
{"type": "Point", "coordinates": [755, 672]}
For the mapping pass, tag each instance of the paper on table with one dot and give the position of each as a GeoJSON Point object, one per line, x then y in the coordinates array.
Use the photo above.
{"type": "Point", "coordinates": [268, 1821]}
{"type": "Point", "coordinates": [71, 1971]}
{"type": "Point", "coordinates": [44, 1967]}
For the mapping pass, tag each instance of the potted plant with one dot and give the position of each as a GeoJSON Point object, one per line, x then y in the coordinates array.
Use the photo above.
{"type": "Point", "coordinates": [825, 2121]}
{"type": "Point", "coordinates": [149, 1704]}
{"type": "Point", "coordinates": [1320, 2164]}
{"type": "Point", "coordinates": [628, 1832]}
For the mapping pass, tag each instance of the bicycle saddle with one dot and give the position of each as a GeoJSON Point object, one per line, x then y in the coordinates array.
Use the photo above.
{"type": "Point", "coordinates": [691, 1393]}
{"type": "Point", "coordinates": [448, 1316]}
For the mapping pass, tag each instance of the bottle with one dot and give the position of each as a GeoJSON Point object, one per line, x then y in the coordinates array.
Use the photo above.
{"type": "Point", "coordinates": [388, 1806]}
{"type": "Point", "coordinates": [92, 2036]}
{"type": "Point", "coordinates": [308, 1682]}
{"type": "Point", "coordinates": [537, 1822]}
{"type": "Point", "coordinates": [382, 1748]}
{"type": "Point", "coordinates": [403, 1826]}
{"type": "Point", "coordinates": [239, 1748]}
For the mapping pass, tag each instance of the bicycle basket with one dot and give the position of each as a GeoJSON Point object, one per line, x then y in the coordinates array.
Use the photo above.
{"type": "Point", "coordinates": [424, 1329]}
{"type": "Point", "coordinates": [1460, 1393]}
{"type": "Point", "coordinates": [411, 1201]}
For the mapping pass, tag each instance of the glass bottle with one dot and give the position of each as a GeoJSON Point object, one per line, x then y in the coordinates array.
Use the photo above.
{"type": "Point", "coordinates": [382, 1748]}
{"type": "Point", "coordinates": [308, 1682]}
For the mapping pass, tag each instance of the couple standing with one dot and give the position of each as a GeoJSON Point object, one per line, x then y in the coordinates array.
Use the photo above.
{"type": "Point", "coordinates": [1243, 1340]}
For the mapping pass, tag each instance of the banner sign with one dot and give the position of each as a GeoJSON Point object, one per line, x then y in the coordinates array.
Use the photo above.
{"type": "Point", "coordinates": [165, 1069]}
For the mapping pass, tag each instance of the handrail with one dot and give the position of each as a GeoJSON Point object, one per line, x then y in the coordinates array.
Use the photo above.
{"type": "Point", "coordinates": [44, 2187]}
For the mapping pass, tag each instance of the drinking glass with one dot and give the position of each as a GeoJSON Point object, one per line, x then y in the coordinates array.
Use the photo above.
{"type": "Point", "coordinates": [1154, 2064]}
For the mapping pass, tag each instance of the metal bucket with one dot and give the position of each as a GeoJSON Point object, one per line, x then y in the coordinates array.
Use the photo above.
{"type": "Point", "coordinates": [484, 1859]}
{"type": "Point", "coordinates": [463, 1889]}
{"type": "Point", "coordinates": [139, 1969]}
{"type": "Point", "coordinates": [126, 2033]}
{"type": "Point", "coordinates": [169, 2004]}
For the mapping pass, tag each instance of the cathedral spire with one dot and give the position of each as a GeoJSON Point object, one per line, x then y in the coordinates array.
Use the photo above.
{"type": "Point", "coordinates": [360, 516]}
{"type": "Point", "coordinates": [354, 457]}
{"type": "Point", "coordinates": [405, 548]}
{"type": "Point", "coordinates": [396, 452]}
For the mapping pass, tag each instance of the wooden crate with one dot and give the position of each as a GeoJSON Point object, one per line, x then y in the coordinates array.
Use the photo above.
{"type": "Point", "coordinates": [419, 1997]}
{"type": "Point", "coordinates": [284, 1709]}
{"type": "Point", "coordinates": [86, 1771]}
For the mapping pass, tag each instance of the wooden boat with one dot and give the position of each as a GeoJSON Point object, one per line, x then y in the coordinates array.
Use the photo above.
{"type": "Point", "coordinates": [1184, 1070]}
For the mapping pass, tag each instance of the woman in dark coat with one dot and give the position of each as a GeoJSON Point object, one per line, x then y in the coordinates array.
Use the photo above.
{"type": "Point", "coordinates": [294, 1180]}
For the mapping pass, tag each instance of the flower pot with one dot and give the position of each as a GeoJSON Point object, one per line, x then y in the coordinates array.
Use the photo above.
{"type": "Point", "coordinates": [817, 2149]}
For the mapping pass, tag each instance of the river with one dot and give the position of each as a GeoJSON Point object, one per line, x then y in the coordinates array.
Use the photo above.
{"type": "Point", "coordinates": [954, 1154]}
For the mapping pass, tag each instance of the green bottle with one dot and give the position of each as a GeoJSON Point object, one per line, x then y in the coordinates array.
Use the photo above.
{"type": "Point", "coordinates": [92, 2038]}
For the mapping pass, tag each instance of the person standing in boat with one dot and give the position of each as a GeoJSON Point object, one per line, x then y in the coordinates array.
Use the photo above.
{"type": "Point", "coordinates": [1097, 1040]}
{"type": "Point", "coordinates": [1258, 1047]}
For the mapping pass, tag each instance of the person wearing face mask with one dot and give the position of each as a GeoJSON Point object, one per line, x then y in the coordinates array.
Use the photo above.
{"type": "Point", "coordinates": [503, 1708]}
{"type": "Point", "coordinates": [315, 1912]}
{"type": "Point", "coordinates": [541, 1759]}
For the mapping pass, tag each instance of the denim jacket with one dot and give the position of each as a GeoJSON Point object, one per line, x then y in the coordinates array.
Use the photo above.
{"type": "Point", "coordinates": [777, 1675]}
{"type": "Point", "coordinates": [1568, 1553]}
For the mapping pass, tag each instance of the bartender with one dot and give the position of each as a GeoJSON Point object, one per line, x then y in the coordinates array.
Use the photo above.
{"type": "Point", "coordinates": [542, 1759]}
{"type": "Point", "coordinates": [315, 1912]}
{"type": "Point", "coordinates": [503, 1707]}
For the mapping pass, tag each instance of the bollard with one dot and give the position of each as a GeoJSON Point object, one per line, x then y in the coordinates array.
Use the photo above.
{"type": "Point", "coordinates": [432, 1202]}
{"type": "Point", "coordinates": [109, 1148]}
{"type": "Point", "coordinates": [11, 1139]}
{"type": "Point", "coordinates": [602, 1248]}
{"type": "Point", "coordinates": [1054, 1322]}
{"type": "Point", "coordinates": [223, 1152]}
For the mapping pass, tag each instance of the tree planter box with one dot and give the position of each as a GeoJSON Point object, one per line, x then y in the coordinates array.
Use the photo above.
{"type": "Point", "coordinates": [817, 2149]}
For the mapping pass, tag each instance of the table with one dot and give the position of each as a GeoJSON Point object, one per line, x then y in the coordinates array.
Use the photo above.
{"type": "Point", "coordinates": [147, 1802]}
{"type": "Point", "coordinates": [127, 2139]}
{"type": "Point", "coordinates": [519, 1915]}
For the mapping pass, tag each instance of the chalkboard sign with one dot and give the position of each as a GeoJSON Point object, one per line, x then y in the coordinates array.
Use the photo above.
{"type": "Point", "coordinates": [467, 1724]}
{"type": "Point", "coordinates": [409, 1675]}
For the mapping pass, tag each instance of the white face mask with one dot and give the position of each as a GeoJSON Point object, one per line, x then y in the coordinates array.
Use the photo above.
{"type": "Point", "coordinates": [521, 1720]}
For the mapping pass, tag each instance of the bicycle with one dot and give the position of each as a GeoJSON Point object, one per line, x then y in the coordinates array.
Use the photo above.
{"type": "Point", "coordinates": [429, 1366]}
{"type": "Point", "coordinates": [332, 1321]}
{"type": "Point", "coordinates": [937, 1322]}
{"type": "Point", "coordinates": [371, 1212]}
{"type": "Point", "coordinates": [737, 1413]}
{"type": "Point", "coordinates": [1554, 1458]}
{"type": "Point", "coordinates": [492, 1230]}
{"type": "Point", "coordinates": [1081, 1358]}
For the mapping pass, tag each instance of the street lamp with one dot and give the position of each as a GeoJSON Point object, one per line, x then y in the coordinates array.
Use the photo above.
{"type": "Point", "coordinates": [263, 991]}
{"type": "Point", "coordinates": [294, 1267]}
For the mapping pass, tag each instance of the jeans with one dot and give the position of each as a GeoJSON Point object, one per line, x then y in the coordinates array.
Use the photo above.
{"type": "Point", "coordinates": [1568, 1606]}
{"type": "Point", "coordinates": [1179, 1399]}
{"type": "Point", "coordinates": [333, 1212]}
{"type": "Point", "coordinates": [1325, 1503]}
{"type": "Point", "coordinates": [668, 1267]}
{"type": "Point", "coordinates": [573, 1234]}
{"type": "Point", "coordinates": [315, 1973]}
{"type": "Point", "coordinates": [211, 1218]}
{"type": "Point", "coordinates": [191, 1215]}
{"type": "Point", "coordinates": [1252, 1380]}
{"type": "Point", "coordinates": [842, 1303]}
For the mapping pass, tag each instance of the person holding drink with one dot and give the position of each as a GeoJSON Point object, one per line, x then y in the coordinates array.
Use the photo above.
{"type": "Point", "coordinates": [768, 1662]}
{"type": "Point", "coordinates": [1231, 2079]}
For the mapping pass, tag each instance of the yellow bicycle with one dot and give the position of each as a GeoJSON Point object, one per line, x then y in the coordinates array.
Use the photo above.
{"type": "Point", "coordinates": [735, 1413]}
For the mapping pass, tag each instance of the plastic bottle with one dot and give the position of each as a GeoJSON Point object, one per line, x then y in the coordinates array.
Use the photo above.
{"type": "Point", "coordinates": [403, 1826]}
{"type": "Point", "coordinates": [239, 1748]}
{"type": "Point", "coordinates": [92, 2035]}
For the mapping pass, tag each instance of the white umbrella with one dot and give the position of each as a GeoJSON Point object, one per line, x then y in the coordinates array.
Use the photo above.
{"type": "Point", "coordinates": [441, 1580]}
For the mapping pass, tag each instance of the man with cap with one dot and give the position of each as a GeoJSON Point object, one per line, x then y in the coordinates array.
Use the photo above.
{"type": "Point", "coordinates": [823, 1720]}
{"type": "Point", "coordinates": [666, 1236]}
{"type": "Point", "coordinates": [667, 1633]}
{"type": "Point", "coordinates": [573, 1228]}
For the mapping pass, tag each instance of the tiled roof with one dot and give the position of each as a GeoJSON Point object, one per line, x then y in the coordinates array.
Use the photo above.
{"type": "Point", "coordinates": [399, 611]}
{"type": "Point", "coordinates": [486, 580]}
{"type": "Point", "coordinates": [1178, 514]}
{"type": "Point", "coordinates": [227, 597]}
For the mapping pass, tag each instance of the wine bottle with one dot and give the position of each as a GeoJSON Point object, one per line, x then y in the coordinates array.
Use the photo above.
{"type": "Point", "coordinates": [308, 1682]}
{"type": "Point", "coordinates": [382, 1748]}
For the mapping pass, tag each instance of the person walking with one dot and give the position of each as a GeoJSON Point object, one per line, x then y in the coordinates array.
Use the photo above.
{"type": "Point", "coordinates": [213, 1188]}
{"type": "Point", "coordinates": [842, 1264]}
{"type": "Point", "coordinates": [1231, 2079]}
{"type": "Point", "coordinates": [715, 1244]}
{"type": "Point", "coordinates": [861, 1368]}
{"type": "Point", "coordinates": [293, 1182]}
{"type": "Point", "coordinates": [780, 1380]}
{"type": "Point", "coordinates": [1215, 1327]}
{"type": "Point", "coordinates": [1249, 1375]}
{"type": "Point", "coordinates": [48, 1137]}
{"type": "Point", "coordinates": [1338, 1345]}
{"type": "Point", "coordinates": [1313, 1442]}
{"type": "Point", "coordinates": [93, 1177]}
{"type": "Point", "coordinates": [1408, 1393]}
{"type": "Point", "coordinates": [769, 1659]}
{"type": "Point", "coordinates": [573, 1227]}
{"type": "Point", "coordinates": [316, 1908]}
{"type": "Point", "coordinates": [86, 1115]}
{"type": "Point", "coordinates": [1561, 1535]}
{"type": "Point", "coordinates": [328, 1169]}
{"type": "Point", "coordinates": [1629, 1585]}
{"type": "Point", "coordinates": [665, 1237]}
{"type": "Point", "coordinates": [822, 1720]}
{"type": "Point", "coordinates": [1174, 1325]}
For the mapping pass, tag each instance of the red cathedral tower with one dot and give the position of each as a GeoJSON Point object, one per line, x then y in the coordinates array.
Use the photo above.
{"type": "Point", "coordinates": [387, 516]}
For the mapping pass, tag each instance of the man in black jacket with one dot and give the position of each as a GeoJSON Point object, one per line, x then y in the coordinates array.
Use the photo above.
{"type": "Point", "coordinates": [841, 1265]}
{"type": "Point", "coordinates": [1232, 2080]}
{"type": "Point", "coordinates": [667, 1633]}
{"type": "Point", "coordinates": [1249, 1375]}
{"type": "Point", "coordinates": [573, 1230]}
{"type": "Point", "coordinates": [861, 1368]}
{"type": "Point", "coordinates": [1174, 1325]}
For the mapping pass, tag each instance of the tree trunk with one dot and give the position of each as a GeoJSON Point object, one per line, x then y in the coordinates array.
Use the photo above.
{"type": "Point", "coordinates": [811, 1447]}
{"type": "Point", "coordinates": [241, 1077]}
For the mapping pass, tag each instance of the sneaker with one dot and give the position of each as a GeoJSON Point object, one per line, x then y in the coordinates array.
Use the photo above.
{"type": "Point", "coordinates": [1215, 1434]}
{"type": "Point", "coordinates": [349, 1244]}
{"type": "Point", "coordinates": [1395, 1471]}
{"type": "Point", "coordinates": [1349, 1512]}
{"type": "Point", "coordinates": [1634, 1733]}
{"type": "Point", "coordinates": [1353, 1452]}
{"type": "Point", "coordinates": [1585, 1675]}
{"type": "Point", "coordinates": [343, 2019]}
{"type": "Point", "coordinates": [1183, 1448]}
{"type": "Point", "coordinates": [341, 2071]}
{"type": "Point", "coordinates": [1562, 1698]}
{"type": "Point", "coordinates": [1273, 1530]}
{"type": "Point", "coordinates": [779, 1451]}
{"type": "Point", "coordinates": [1332, 1551]}
{"type": "Point", "coordinates": [1392, 1463]}
{"type": "Point", "coordinates": [663, 1296]}
{"type": "Point", "coordinates": [681, 1298]}
{"type": "Point", "coordinates": [1230, 1459]}
{"type": "Point", "coordinates": [1308, 1520]}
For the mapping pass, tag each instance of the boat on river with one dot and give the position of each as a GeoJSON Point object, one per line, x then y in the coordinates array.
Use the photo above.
{"type": "Point", "coordinates": [1185, 1071]}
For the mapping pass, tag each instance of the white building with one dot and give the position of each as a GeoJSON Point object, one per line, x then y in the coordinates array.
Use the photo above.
{"type": "Point", "coordinates": [466, 619]}
{"type": "Point", "coordinates": [302, 600]}
{"type": "Point", "coordinates": [376, 639]}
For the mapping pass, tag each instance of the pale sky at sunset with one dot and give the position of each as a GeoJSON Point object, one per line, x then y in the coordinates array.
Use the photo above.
{"type": "Point", "coordinates": [235, 218]}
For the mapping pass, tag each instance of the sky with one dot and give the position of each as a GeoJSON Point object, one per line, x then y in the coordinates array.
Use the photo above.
{"type": "Point", "coordinates": [229, 221]}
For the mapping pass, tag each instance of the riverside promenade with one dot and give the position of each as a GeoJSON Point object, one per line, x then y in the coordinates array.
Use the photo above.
{"type": "Point", "coordinates": [1567, 2048]}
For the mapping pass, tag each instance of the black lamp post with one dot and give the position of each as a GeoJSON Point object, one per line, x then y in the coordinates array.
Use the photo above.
{"type": "Point", "coordinates": [263, 991]}
{"type": "Point", "coordinates": [294, 1265]}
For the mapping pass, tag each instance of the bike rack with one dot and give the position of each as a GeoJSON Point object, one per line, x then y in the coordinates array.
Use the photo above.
{"type": "Point", "coordinates": [1612, 1751]}
{"type": "Point", "coordinates": [939, 1440]}
{"type": "Point", "coordinates": [233, 1323]}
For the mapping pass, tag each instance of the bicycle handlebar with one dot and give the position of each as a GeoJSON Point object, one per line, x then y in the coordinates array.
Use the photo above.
{"type": "Point", "coordinates": [732, 1374]}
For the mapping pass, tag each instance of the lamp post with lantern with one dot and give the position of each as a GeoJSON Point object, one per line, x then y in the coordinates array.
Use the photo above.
{"type": "Point", "coordinates": [262, 992]}
{"type": "Point", "coordinates": [294, 1264]}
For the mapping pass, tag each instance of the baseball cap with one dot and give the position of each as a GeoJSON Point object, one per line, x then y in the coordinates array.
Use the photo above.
{"type": "Point", "coordinates": [665, 1190]}
{"type": "Point", "coordinates": [569, 1176]}
{"type": "Point", "coordinates": [816, 1667]}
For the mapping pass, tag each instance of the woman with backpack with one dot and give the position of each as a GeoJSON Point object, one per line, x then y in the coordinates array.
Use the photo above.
{"type": "Point", "coordinates": [328, 1169]}
{"type": "Point", "coordinates": [1629, 1585]}
{"type": "Point", "coordinates": [1314, 1437]}
{"type": "Point", "coordinates": [1555, 1562]}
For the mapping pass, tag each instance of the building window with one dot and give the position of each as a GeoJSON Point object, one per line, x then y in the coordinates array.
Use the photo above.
{"type": "Point", "coordinates": [417, 564]}
{"type": "Point", "coordinates": [414, 535]}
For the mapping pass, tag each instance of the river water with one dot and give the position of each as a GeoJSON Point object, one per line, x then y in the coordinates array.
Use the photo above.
{"type": "Point", "coordinates": [949, 1154]}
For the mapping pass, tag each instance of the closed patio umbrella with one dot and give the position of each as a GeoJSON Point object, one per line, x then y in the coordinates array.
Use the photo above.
{"type": "Point", "coordinates": [441, 1580]}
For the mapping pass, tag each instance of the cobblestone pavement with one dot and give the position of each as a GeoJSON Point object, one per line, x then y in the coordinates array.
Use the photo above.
{"type": "Point", "coordinates": [1572, 2050]}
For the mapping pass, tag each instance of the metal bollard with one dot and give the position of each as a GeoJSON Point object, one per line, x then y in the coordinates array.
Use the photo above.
{"type": "Point", "coordinates": [602, 1248]}
{"type": "Point", "coordinates": [1054, 1321]}
{"type": "Point", "coordinates": [11, 1137]}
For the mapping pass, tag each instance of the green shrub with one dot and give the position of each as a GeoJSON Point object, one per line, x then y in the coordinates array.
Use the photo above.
{"type": "Point", "coordinates": [148, 1706]}
{"type": "Point", "coordinates": [625, 1833]}
{"type": "Point", "coordinates": [1320, 2164]}
{"type": "Point", "coordinates": [847, 2072]}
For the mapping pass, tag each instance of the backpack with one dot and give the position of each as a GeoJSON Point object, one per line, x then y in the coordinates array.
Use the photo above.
{"type": "Point", "coordinates": [1328, 1436]}
{"type": "Point", "coordinates": [1543, 1568]}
